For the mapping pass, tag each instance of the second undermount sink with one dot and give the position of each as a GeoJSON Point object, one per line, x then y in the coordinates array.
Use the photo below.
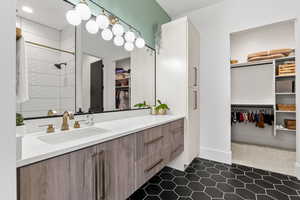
{"type": "Point", "coordinates": [72, 135]}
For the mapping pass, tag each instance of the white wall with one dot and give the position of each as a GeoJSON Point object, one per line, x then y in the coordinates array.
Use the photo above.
{"type": "Point", "coordinates": [215, 24]}
{"type": "Point", "coordinates": [7, 105]}
{"type": "Point", "coordinates": [262, 39]}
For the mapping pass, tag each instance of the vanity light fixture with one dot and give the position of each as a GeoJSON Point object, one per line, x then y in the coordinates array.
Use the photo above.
{"type": "Point", "coordinates": [118, 29]}
{"type": "Point", "coordinates": [107, 34]}
{"type": "Point", "coordinates": [119, 41]}
{"type": "Point", "coordinates": [83, 10]}
{"type": "Point", "coordinates": [129, 36]}
{"type": "Point", "coordinates": [92, 26]}
{"type": "Point", "coordinates": [129, 46]}
{"type": "Point", "coordinates": [111, 26]}
{"type": "Point", "coordinates": [27, 9]}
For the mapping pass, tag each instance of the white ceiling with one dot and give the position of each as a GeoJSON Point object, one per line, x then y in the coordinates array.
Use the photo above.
{"type": "Point", "coordinates": [178, 7]}
{"type": "Point", "coordinates": [48, 12]}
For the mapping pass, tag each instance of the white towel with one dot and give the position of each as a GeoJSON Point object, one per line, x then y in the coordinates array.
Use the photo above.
{"type": "Point", "coordinates": [22, 89]}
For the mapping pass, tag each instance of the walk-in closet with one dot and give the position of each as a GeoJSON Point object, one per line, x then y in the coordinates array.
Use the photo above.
{"type": "Point", "coordinates": [263, 97]}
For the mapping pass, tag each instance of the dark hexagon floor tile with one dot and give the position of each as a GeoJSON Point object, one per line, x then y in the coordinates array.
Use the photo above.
{"type": "Point", "coordinates": [168, 195]}
{"type": "Point", "coordinates": [221, 167]}
{"type": "Point", "coordinates": [280, 176]}
{"type": "Point", "coordinates": [167, 169]}
{"type": "Point", "coordinates": [178, 173]}
{"type": "Point", "coordinates": [213, 170]}
{"type": "Point", "coordinates": [190, 170]}
{"type": "Point", "coordinates": [167, 185]}
{"type": "Point", "coordinates": [153, 189]}
{"type": "Point", "coordinates": [227, 174]}
{"type": "Point", "coordinates": [196, 186]}
{"type": "Point", "coordinates": [246, 194]}
{"type": "Point", "coordinates": [166, 176]}
{"type": "Point", "coordinates": [184, 198]}
{"type": "Point", "coordinates": [183, 191]}
{"type": "Point", "coordinates": [208, 182]}
{"type": "Point", "coordinates": [218, 178]}
{"type": "Point", "coordinates": [180, 181]}
{"type": "Point", "coordinates": [138, 195]}
{"type": "Point", "coordinates": [232, 197]}
{"type": "Point", "coordinates": [277, 195]}
{"type": "Point", "coordinates": [237, 171]}
{"type": "Point", "coordinates": [264, 197]}
{"type": "Point", "coordinates": [213, 192]}
{"type": "Point", "coordinates": [292, 178]}
{"type": "Point", "coordinates": [244, 168]}
{"type": "Point", "coordinates": [295, 197]}
{"type": "Point", "coordinates": [208, 164]}
{"type": "Point", "coordinates": [235, 183]}
{"type": "Point", "coordinates": [292, 184]}
{"type": "Point", "coordinates": [261, 172]}
{"type": "Point", "coordinates": [225, 187]}
{"type": "Point", "coordinates": [203, 174]}
{"type": "Point", "coordinates": [264, 184]}
{"type": "Point", "coordinates": [286, 190]}
{"type": "Point", "coordinates": [192, 177]}
{"type": "Point", "coordinates": [198, 167]}
{"type": "Point", "coordinates": [253, 175]}
{"type": "Point", "coordinates": [244, 179]}
{"type": "Point", "coordinates": [272, 179]}
{"type": "Point", "coordinates": [200, 196]}
{"type": "Point", "coordinates": [255, 188]}
{"type": "Point", "coordinates": [155, 180]}
{"type": "Point", "coordinates": [152, 198]}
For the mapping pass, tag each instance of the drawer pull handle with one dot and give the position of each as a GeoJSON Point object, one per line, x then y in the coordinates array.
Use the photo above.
{"type": "Point", "coordinates": [154, 165]}
{"type": "Point", "coordinates": [155, 140]}
{"type": "Point", "coordinates": [179, 147]}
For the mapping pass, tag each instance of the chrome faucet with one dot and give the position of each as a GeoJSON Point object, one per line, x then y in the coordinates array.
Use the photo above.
{"type": "Point", "coordinates": [65, 124]}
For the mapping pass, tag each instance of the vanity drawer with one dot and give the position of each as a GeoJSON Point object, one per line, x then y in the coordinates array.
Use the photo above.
{"type": "Point", "coordinates": [149, 166]}
{"type": "Point", "coordinates": [150, 142]}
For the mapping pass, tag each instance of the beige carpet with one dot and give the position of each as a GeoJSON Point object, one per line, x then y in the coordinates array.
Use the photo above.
{"type": "Point", "coordinates": [266, 158]}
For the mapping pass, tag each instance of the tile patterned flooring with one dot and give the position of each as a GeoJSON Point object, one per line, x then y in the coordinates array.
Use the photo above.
{"type": "Point", "coordinates": [208, 180]}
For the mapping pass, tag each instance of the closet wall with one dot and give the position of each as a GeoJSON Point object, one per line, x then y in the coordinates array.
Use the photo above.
{"type": "Point", "coordinates": [254, 84]}
{"type": "Point", "coordinates": [262, 39]}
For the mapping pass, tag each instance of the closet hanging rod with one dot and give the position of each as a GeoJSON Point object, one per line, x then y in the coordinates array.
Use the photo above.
{"type": "Point", "coordinates": [48, 47]}
{"type": "Point", "coordinates": [251, 106]}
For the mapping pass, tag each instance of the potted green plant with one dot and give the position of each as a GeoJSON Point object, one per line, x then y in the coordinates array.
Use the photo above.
{"type": "Point", "coordinates": [142, 105]}
{"type": "Point", "coordinates": [20, 125]}
{"type": "Point", "coordinates": [162, 108]}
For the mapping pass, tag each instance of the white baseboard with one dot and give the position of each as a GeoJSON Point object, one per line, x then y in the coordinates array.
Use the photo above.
{"type": "Point", "coordinates": [216, 155]}
{"type": "Point", "coordinates": [297, 165]}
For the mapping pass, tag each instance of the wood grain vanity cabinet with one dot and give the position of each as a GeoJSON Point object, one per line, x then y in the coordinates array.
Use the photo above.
{"type": "Point", "coordinates": [108, 171]}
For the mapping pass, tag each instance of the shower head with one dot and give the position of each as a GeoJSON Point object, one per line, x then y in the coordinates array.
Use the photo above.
{"type": "Point", "coordinates": [59, 65]}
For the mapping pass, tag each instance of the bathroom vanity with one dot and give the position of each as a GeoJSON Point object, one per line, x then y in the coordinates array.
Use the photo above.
{"type": "Point", "coordinates": [108, 166]}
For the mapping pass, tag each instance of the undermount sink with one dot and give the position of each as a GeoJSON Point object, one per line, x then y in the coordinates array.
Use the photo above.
{"type": "Point", "coordinates": [72, 135]}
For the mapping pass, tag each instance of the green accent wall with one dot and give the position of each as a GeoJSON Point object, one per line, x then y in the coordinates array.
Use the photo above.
{"type": "Point", "coordinates": [141, 14]}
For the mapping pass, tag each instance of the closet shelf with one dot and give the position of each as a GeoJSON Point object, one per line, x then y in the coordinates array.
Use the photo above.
{"type": "Point", "coordinates": [286, 76]}
{"type": "Point", "coordinates": [285, 129]}
{"type": "Point", "coordinates": [263, 62]}
{"type": "Point", "coordinates": [286, 93]}
{"type": "Point", "coordinates": [254, 105]}
{"type": "Point", "coordinates": [284, 111]}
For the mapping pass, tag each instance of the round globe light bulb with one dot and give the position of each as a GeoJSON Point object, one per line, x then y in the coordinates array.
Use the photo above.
{"type": "Point", "coordinates": [129, 46]}
{"type": "Point", "coordinates": [84, 11]}
{"type": "Point", "coordinates": [73, 17]}
{"type": "Point", "coordinates": [102, 21]}
{"type": "Point", "coordinates": [92, 26]}
{"type": "Point", "coordinates": [140, 43]}
{"type": "Point", "coordinates": [118, 29]}
{"type": "Point", "coordinates": [107, 34]}
{"type": "Point", "coordinates": [119, 41]}
{"type": "Point", "coordinates": [130, 36]}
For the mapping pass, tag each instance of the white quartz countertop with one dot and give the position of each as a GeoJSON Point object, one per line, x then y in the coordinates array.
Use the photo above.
{"type": "Point", "coordinates": [35, 150]}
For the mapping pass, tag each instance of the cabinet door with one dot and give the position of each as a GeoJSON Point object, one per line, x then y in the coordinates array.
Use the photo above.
{"type": "Point", "coordinates": [83, 174]}
{"type": "Point", "coordinates": [119, 168]}
{"type": "Point", "coordinates": [46, 180]}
